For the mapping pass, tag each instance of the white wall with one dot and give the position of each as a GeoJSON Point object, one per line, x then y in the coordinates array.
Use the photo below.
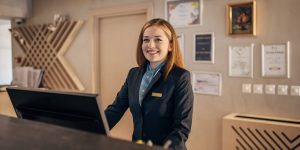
{"type": "Point", "coordinates": [5, 53]}
{"type": "Point", "coordinates": [277, 22]}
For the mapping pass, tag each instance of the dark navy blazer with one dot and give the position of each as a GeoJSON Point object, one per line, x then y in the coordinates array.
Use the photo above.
{"type": "Point", "coordinates": [166, 112]}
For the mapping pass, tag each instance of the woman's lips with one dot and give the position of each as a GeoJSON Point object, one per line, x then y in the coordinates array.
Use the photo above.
{"type": "Point", "coordinates": [152, 52]}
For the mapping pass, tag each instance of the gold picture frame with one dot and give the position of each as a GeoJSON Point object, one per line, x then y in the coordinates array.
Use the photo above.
{"type": "Point", "coordinates": [241, 18]}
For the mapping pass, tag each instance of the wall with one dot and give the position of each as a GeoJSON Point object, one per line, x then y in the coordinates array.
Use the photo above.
{"type": "Point", "coordinates": [15, 8]}
{"type": "Point", "coordinates": [277, 22]}
{"type": "Point", "coordinates": [5, 53]}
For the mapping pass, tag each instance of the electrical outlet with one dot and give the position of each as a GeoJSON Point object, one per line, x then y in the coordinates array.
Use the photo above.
{"type": "Point", "coordinates": [282, 90]}
{"type": "Point", "coordinates": [270, 89]}
{"type": "Point", "coordinates": [246, 88]}
{"type": "Point", "coordinates": [295, 90]}
{"type": "Point", "coordinates": [258, 89]}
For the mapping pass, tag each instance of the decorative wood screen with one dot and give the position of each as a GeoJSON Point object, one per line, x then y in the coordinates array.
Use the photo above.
{"type": "Point", "coordinates": [242, 132]}
{"type": "Point", "coordinates": [45, 48]}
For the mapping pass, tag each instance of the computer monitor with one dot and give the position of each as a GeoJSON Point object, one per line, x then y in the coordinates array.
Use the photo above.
{"type": "Point", "coordinates": [75, 110]}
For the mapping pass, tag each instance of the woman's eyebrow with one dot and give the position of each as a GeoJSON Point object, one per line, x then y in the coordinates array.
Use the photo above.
{"type": "Point", "coordinates": [152, 36]}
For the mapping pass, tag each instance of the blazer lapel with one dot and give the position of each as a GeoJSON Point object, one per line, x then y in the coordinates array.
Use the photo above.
{"type": "Point", "coordinates": [138, 113]}
{"type": "Point", "coordinates": [137, 87]}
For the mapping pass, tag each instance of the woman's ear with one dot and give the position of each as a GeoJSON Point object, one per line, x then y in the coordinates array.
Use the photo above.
{"type": "Point", "coordinates": [170, 47]}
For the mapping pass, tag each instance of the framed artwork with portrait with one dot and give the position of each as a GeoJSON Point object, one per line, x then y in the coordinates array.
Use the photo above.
{"type": "Point", "coordinates": [241, 18]}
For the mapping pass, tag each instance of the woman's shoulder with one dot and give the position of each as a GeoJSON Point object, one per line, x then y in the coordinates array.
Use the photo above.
{"type": "Point", "coordinates": [135, 70]}
{"type": "Point", "coordinates": [178, 72]}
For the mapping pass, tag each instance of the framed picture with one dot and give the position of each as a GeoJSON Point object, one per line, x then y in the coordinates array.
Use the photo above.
{"type": "Point", "coordinates": [241, 61]}
{"type": "Point", "coordinates": [209, 83]}
{"type": "Point", "coordinates": [276, 60]}
{"type": "Point", "coordinates": [184, 13]}
{"type": "Point", "coordinates": [180, 38]}
{"type": "Point", "coordinates": [241, 18]}
{"type": "Point", "coordinates": [204, 48]}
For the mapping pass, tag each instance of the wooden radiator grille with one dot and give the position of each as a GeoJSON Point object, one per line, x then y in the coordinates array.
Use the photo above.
{"type": "Point", "coordinates": [251, 133]}
{"type": "Point", "coordinates": [45, 49]}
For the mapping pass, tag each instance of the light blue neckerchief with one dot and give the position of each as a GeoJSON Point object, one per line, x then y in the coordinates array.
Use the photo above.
{"type": "Point", "coordinates": [147, 78]}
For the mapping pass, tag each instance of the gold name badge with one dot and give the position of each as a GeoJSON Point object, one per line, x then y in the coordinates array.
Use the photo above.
{"type": "Point", "coordinates": [156, 94]}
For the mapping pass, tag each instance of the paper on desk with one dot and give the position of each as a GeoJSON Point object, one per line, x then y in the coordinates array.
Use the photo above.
{"type": "Point", "coordinates": [27, 77]}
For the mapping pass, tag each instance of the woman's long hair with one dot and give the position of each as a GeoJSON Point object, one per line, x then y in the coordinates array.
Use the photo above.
{"type": "Point", "coordinates": [174, 56]}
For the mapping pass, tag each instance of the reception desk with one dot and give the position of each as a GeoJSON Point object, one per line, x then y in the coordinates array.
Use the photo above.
{"type": "Point", "coordinates": [25, 134]}
{"type": "Point", "coordinates": [6, 107]}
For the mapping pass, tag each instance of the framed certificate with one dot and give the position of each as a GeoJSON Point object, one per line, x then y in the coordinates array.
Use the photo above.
{"type": "Point", "coordinates": [241, 61]}
{"type": "Point", "coordinates": [209, 83]}
{"type": "Point", "coordinates": [204, 48]}
{"type": "Point", "coordinates": [184, 13]}
{"type": "Point", "coordinates": [275, 60]}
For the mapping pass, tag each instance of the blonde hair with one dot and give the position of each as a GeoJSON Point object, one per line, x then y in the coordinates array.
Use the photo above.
{"type": "Point", "coordinates": [174, 57]}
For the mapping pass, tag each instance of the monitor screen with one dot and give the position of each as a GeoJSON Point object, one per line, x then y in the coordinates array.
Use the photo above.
{"type": "Point", "coordinates": [69, 109]}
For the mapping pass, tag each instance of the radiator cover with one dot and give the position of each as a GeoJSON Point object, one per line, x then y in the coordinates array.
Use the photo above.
{"type": "Point", "coordinates": [247, 132]}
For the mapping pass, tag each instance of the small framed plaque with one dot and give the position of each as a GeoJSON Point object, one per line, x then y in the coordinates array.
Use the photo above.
{"type": "Point", "coordinates": [204, 47]}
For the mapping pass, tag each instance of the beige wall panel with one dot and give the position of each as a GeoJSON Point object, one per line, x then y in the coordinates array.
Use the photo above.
{"type": "Point", "coordinates": [117, 55]}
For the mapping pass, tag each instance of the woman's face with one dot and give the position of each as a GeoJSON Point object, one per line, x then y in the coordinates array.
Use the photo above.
{"type": "Point", "coordinates": [156, 45]}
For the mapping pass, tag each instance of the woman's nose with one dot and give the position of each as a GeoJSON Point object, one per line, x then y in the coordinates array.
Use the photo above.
{"type": "Point", "coordinates": [151, 43]}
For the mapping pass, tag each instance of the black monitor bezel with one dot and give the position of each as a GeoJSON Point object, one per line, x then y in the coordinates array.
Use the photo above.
{"type": "Point", "coordinates": [79, 116]}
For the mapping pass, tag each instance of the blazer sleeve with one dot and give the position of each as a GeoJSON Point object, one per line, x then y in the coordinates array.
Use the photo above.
{"type": "Point", "coordinates": [116, 110]}
{"type": "Point", "coordinates": [183, 111]}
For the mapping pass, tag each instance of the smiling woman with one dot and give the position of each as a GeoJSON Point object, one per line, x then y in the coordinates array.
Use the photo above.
{"type": "Point", "coordinates": [5, 53]}
{"type": "Point", "coordinates": [158, 92]}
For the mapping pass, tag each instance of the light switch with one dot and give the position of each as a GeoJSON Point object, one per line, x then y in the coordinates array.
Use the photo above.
{"type": "Point", "coordinates": [295, 90]}
{"type": "Point", "coordinates": [246, 88]}
{"type": "Point", "coordinates": [270, 89]}
{"type": "Point", "coordinates": [282, 90]}
{"type": "Point", "coordinates": [257, 88]}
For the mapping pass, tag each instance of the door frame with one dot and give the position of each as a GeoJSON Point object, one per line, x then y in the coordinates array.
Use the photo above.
{"type": "Point", "coordinates": [100, 13]}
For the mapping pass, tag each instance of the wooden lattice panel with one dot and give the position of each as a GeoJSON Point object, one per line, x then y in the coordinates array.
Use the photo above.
{"type": "Point", "coordinates": [45, 49]}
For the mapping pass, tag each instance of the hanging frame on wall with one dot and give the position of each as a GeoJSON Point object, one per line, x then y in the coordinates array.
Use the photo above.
{"type": "Point", "coordinates": [180, 38]}
{"type": "Point", "coordinates": [241, 60]}
{"type": "Point", "coordinates": [185, 13]}
{"type": "Point", "coordinates": [204, 48]}
{"type": "Point", "coordinates": [209, 83]}
{"type": "Point", "coordinates": [276, 60]}
{"type": "Point", "coordinates": [241, 18]}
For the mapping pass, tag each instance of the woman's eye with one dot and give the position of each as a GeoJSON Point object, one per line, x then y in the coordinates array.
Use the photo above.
{"type": "Point", "coordinates": [145, 40]}
{"type": "Point", "coordinates": [158, 40]}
